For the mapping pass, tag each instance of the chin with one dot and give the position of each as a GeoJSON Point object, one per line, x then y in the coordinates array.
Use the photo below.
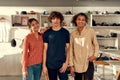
{"type": "Point", "coordinates": [80, 26]}
{"type": "Point", "coordinates": [36, 30]}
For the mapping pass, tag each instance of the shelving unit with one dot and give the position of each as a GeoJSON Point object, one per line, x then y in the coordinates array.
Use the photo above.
{"type": "Point", "coordinates": [103, 23]}
{"type": "Point", "coordinates": [108, 19]}
{"type": "Point", "coordinates": [110, 43]}
{"type": "Point", "coordinates": [66, 23]}
{"type": "Point", "coordinates": [67, 20]}
{"type": "Point", "coordinates": [44, 20]}
{"type": "Point", "coordinates": [20, 21]}
{"type": "Point", "coordinates": [105, 20]}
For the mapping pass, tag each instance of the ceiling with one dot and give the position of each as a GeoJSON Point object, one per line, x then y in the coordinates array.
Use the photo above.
{"type": "Point", "coordinates": [61, 3]}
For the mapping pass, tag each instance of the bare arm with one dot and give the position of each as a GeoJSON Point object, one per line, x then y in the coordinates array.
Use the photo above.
{"type": "Point", "coordinates": [44, 29]}
{"type": "Point", "coordinates": [45, 71]}
{"type": "Point", "coordinates": [67, 53]}
{"type": "Point", "coordinates": [65, 65]}
{"type": "Point", "coordinates": [25, 57]}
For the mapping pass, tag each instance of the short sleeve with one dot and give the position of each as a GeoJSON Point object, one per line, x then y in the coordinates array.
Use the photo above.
{"type": "Point", "coordinates": [45, 37]}
{"type": "Point", "coordinates": [67, 37]}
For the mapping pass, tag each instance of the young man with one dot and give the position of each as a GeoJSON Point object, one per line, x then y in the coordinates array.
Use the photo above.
{"type": "Point", "coordinates": [56, 45]}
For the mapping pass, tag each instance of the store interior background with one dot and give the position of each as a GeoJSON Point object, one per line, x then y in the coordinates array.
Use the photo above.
{"type": "Point", "coordinates": [10, 64]}
{"type": "Point", "coordinates": [8, 11]}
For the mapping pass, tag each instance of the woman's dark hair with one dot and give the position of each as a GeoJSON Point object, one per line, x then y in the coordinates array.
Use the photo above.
{"type": "Point", "coordinates": [56, 14]}
{"type": "Point", "coordinates": [76, 16]}
{"type": "Point", "coordinates": [30, 21]}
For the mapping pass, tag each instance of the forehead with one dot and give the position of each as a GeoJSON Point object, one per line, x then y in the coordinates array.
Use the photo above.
{"type": "Point", "coordinates": [55, 17]}
{"type": "Point", "coordinates": [34, 22]}
{"type": "Point", "coordinates": [81, 16]}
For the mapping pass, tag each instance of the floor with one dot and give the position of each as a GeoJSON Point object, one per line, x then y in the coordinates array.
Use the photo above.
{"type": "Point", "coordinates": [14, 78]}
{"type": "Point", "coordinates": [20, 78]}
{"type": "Point", "coordinates": [98, 75]}
{"type": "Point", "coordinates": [98, 71]}
{"type": "Point", "coordinates": [107, 74]}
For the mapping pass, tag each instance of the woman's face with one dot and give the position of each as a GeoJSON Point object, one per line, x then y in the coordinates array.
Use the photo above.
{"type": "Point", "coordinates": [81, 21]}
{"type": "Point", "coordinates": [55, 21]}
{"type": "Point", "coordinates": [34, 26]}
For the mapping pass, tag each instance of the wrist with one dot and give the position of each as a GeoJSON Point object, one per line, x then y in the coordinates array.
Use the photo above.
{"type": "Point", "coordinates": [24, 72]}
{"type": "Point", "coordinates": [66, 62]}
{"type": "Point", "coordinates": [44, 65]}
{"type": "Point", "coordinates": [72, 66]}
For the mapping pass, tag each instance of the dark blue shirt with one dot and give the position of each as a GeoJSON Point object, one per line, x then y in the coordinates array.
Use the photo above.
{"type": "Point", "coordinates": [56, 52]}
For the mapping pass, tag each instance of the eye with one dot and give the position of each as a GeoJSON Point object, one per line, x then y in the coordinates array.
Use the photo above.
{"type": "Point", "coordinates": [32, 25]}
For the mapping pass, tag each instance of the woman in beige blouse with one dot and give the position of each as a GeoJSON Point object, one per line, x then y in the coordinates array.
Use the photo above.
{"type": "Point", "coordinates": [83, 49]}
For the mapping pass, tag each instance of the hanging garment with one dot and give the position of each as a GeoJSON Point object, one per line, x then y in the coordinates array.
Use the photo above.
{"type": "Point", "coordinates": [4, 31]}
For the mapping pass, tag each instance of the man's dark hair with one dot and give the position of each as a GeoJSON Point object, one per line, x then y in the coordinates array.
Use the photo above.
{"type": "Point", "coordinates": [56, 14]}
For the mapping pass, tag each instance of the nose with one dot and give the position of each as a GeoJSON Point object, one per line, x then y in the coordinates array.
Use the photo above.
{"type": "Point", "coordinates": [55, 19]}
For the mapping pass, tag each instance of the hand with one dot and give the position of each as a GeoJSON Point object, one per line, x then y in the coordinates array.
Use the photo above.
{"type": "Point", "coordinates": [72, 71]}
{"type": "Point", "coordinates": [91, 58]}
{"type": "Point", "coordinates": [25, 74]}
{"type": "Point", "coordinates": [44, 29]}
{"type": "Point", "coordinates": [63, 68]}
{"type": "Point", "coordinates": [45, 71]}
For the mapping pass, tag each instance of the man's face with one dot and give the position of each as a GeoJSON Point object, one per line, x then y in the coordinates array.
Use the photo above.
{"type": "Point", "coordinates": [55, 21]}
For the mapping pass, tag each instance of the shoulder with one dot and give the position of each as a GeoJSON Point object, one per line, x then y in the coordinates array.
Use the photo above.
{"type": "Point", "coordinates": [40, 34]}
{"type": "Point", "coordinates": [74, 32]}
{"type": "Point", "coordinates": [28, 35]}
{"type": "Point", "coordinates": [47, 31]}
{"type": "Point", "coordinates": [89, 28]}
{"type": "Point", "coordinates": [65, 30]}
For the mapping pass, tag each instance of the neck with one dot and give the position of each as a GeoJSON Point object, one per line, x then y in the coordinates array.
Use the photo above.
{"type": "Point", "coordinates": [56, 28]}
{"type": "Point", "coordinates": [35, 32]}
{"type": "Point", "coordinates": [80, 29]}
{"type": "Point", "coordinates": [36, 35]}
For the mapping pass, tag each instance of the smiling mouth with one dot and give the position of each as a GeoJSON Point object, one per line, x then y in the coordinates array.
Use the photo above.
{"type": "Point", "coordinates": [81, 24]}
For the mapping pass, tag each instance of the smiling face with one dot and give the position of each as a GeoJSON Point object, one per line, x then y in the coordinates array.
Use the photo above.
{"type": "Point", "coordinates": [56, 18]}
{"type": "Point", "coordinates": [55, 21]}
{"type": "Point", "coordinates": [34, 26]}
{"type": "Point", "coordinates": [81, 21]}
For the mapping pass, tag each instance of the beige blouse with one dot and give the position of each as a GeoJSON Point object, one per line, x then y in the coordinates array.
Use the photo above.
{"type": "Point", "coordinates": [81, 47]}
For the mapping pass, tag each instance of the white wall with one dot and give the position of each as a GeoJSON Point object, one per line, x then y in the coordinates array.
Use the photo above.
{"type": "Point", "coordinates": [102, 9]}
{"type": "Point", "coordinates": [12, 10]}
